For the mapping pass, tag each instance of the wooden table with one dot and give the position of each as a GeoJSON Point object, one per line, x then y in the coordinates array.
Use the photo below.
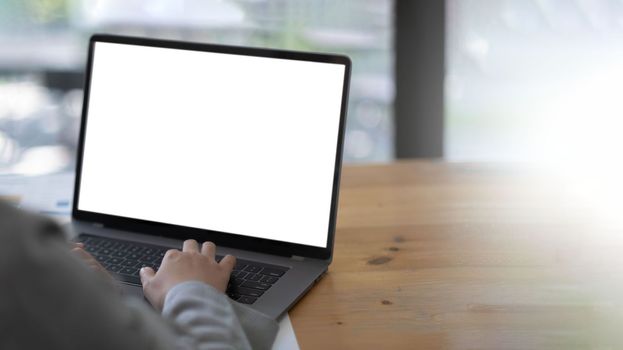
{"type": "Point", "coordinates": [431, 255]}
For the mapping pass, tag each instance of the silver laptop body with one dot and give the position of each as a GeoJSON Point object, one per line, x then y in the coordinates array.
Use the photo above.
{"type": "Point", "coordinates": [239, 146]}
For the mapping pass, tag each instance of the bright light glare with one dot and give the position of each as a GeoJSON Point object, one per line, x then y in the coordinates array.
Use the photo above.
{"type": "Point", "coordinates": [581, 138]}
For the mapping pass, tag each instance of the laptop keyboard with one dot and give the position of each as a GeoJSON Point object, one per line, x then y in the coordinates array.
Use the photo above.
{"type": "Point", "coordinates": [123, 259]}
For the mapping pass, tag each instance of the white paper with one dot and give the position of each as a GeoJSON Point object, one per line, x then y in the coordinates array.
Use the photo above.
{"type": "Point", "coordinates": [286, 338]}
{"type": "Point", "coordinates": [47, 194]}
{"type": "Point", "coordinates": [50, 195]}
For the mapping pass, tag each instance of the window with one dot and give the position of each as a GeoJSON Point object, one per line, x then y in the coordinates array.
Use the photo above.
{"type": "Point", "coordinates": [534, 80]}
{"type": "Point", "coordinates": [40, 77]}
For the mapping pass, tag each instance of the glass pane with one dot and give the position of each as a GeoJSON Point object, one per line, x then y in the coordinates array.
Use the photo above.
{"type": "Point", "coordinates": [44, 46]}
{"type": "Point", "coordinates": [534, 80]}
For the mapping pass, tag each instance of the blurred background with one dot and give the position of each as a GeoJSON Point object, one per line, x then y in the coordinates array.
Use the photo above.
{"type": "Point", "coordinates": [533, 79]}
{"type": "Point", "coordinates": [43, 50]}
{"type": "Point", "coordinates": [464, 80]}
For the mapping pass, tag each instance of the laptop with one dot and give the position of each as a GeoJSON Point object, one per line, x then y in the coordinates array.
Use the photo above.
{"type": "Point", "coordinates": [235, 145]}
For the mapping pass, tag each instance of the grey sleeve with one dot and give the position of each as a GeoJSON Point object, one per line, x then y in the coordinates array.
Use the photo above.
{"type": "Point", "coordinates": [51, 300]}
{"type": "Point", "coordinates": [206, 319]}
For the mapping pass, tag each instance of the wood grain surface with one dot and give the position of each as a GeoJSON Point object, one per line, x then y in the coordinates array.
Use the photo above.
{"type": "Point", "coordinates": [433, 255]}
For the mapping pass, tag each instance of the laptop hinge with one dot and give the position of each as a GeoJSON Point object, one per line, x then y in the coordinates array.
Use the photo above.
{"type": "Point", "coordinates": [298, 258]}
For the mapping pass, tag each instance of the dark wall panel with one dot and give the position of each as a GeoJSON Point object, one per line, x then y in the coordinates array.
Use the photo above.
{"type": "Point", "coordinates": [420, 71]}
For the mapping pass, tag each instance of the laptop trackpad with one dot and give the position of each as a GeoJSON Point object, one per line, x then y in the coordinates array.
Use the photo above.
{"type": "Point", "coordinates": [131, 290]}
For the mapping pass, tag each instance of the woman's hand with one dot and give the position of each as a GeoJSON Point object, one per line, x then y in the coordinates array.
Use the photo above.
{"type": "Point", "coordinates": [191, 264]}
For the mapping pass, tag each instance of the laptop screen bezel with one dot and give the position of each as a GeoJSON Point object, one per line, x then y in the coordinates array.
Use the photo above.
{"type": "Point", "coordinates": [219, 238]}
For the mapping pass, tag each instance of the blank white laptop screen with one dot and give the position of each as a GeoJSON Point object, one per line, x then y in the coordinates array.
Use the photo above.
{"type": "Point", "coordinates": [224, 142]}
